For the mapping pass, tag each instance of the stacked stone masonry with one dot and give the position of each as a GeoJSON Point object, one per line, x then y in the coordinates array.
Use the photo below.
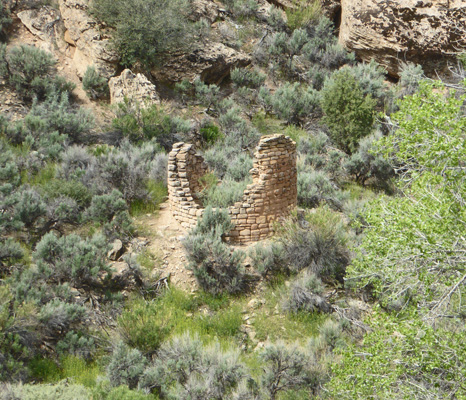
{"type": "Point", "coordinates": [272, 194]}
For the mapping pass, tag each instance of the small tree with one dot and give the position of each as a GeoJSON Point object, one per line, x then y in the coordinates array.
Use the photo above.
{"type": "Point", "coordinates": [286, 368]}
{"type": "Point", "coordinates": [140, 36]}
{"type": "Point", "coordinates": [347, 112]}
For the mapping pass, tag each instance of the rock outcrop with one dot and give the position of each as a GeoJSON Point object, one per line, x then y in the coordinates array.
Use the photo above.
{"type": "Point", "coordinates": [211, 63]}
{"type": "Point", "coordinates": [206, 9]}
{"type": "Point", "coordinates": [132, 86]}
{"type": "Point", "coordinates": [45, 23]}
{"type": "Point", "coordinates": [426, 32]}
{"type": "Point", "coordinates": [92, 45]}
{"type": "Point", "coordinates": [331, 8]}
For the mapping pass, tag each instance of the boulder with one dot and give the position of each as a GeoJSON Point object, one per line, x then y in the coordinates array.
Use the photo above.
{"type": "Point", "coordinates": [135, 87]}
{"type": "Point", "coordinates": [117, 250]}
{"type": "Point", "coordinates": [124, 277]}
{"type": "Point", "coordinates": [92, 44]}
{"type": "Point", "coordinates": [45, 23]}
{"type": "Point", "coordinates": [426, 32]}
{"type": "Point", "coordinates": [206, 9]}
{"type": "Point", "coordinates": [211, 63]}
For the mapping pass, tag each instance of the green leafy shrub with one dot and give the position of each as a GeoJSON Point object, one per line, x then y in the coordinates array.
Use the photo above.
{"type": "Point", "coordinates": [287, 368]}
{"type": "Point", "coordinates": [238, 134]}
{"type": "Point", "coordinates": [50, 124]}
{"type": "Point", "coordinates": [216, 268]}
{"type": "Point", "coordinates": [104, 392]}
{"type": "Point", "coordinates": [243, 77]}
{"type": "Point", "coordinates": [77, 345]}
{"type": "Point", "coordinates": [366, 164]}
{"type": "Point", "coordinates": [285, 47]}
{"type": "Point", "coordinates": [292, 102]}
{"type": "Point", "coordinates": [71, 259]}
{"type": "Point", "coordinates": [210, 133]}
{"type": "Point", "coordinates": [184, 367]}
{"type": "Point", "coordinates": [10, 251]}
{"type": "Point", "coordinates": [144, 326]}
{"type": "Point", "coordinates": [126, 366]}
{"type": "Point", "coordinates": [421, 349]}
{"type": "Point", "coordinates": [29, 207]}
{"type": "Point", "coordinates": [62, 391]}
{"type": "Point", "coordinates": [146, 31]}
{"type": "Point", "coordinates": [207, 95]}
{"type": "Point", "coordinates": [94, 84]}
{"type": "Point", "coordinates": [429, 122]}
{"type": "Point", "coordinates": [224, 195]}
{"type": "Point", "coordinates": [410, 77]}
{"type": "Point", "coordinates": [304, 14]}
{"type": "Point", "coordinates": [58, 316]}
{"type": "Point", "coordinates": [348, 113]}
{"type": "Point", "coordinates": [5, 19]}
{"type": "Point", "coordinates": [269, 259]}
{"type": "Point", "coordinates": [315, 187]}
{"type": "Point", "coordinates": [103, 208]}
{"type": "Point", "coordinates": [318, 243]}
{"type": "Point", "coordinates": [30, 71]}
{"type": "Point", "coordinates": [242, 8]}
{"type": "Point", "coordinates": [138, 123]}
{"type": "Point", "coordinates": [57, 188]}
{"type": "Point", "coordinates": [371, 78]}
{"type": "Point", "coordinates": [305, 294]}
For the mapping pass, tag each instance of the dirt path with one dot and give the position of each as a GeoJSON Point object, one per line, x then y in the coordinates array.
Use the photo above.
{"type": "Point", "coordinates": [165, 235]}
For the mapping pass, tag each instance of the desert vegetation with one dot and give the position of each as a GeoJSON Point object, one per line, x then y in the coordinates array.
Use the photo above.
{"type": "Point", "coordinates": [357, 295]}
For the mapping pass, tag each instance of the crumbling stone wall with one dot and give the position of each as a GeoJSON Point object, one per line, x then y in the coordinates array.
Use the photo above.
{"type": "Point", "coordinates": [185, 168]}
{"type": "Point", "coordinates": [272, 194]}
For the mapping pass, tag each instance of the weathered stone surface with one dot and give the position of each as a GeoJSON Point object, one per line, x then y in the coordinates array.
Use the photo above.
{"type": "Point", "coordinates": [283, 4]}
{"type": "Point", "coordinates": [424, 32]}
{"type": "Point", "coordinates": [212, 63]}
{"type": "Point", "coordinates": [269, 197]}
{"type": "Point", "coordinates": [135, 87]}
{"type": "Point", "coordinates": [45, 23]}
{"type": "Point", "coordinates": [117, 250]}
{"type": "Point", "coordinates": [206, 9]}
{"type": "Point", "coordinates": [92, 45]}
{"type": "Point", "coordinates": [331, 8]}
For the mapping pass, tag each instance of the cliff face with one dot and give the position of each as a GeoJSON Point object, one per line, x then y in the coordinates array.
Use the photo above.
{"type": "Point", "coordinates": [429, 33]}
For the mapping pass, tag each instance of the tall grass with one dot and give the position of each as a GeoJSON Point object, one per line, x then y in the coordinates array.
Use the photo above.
{"type": "Point", "coordinates": [303, 13]}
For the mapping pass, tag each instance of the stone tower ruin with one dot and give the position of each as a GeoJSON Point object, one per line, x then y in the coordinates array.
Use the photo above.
{"type": "Point", "coordinates": [272, 194]}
